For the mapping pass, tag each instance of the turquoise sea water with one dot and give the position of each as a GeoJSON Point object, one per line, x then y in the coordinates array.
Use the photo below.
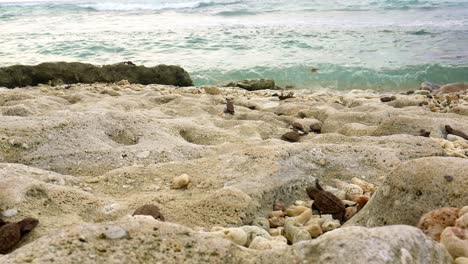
{"type": "Point", "coordinates": [377, 44]}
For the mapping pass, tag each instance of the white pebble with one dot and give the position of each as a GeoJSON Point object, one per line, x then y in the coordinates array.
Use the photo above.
{"type": "Point", "coordinates": [10, 212]}
{"type": "Point", "coordinates": [115, 232]}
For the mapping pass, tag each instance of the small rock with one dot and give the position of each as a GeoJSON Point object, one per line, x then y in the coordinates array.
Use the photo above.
{"type": "Point", "coordinates": [10, 212]}
{"type": "Point", "coordinates": [291, 136]}
{"type": "Point", "coordinates": [385, 99]}
{"type": "Point", "coordinates": [115, 232]}
{"type": "Point", "coordinates": [123, 83]}
{"type": "Point", "coordinates": [422, 92]}
{"type": "Point", "coordinates": [180, 181]}
{"type": "Point", "coordinates": [454, 138]}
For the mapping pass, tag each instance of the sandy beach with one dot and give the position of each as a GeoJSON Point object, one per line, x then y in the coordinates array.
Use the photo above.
{"type": "Point", "coordinates": [81, 158]}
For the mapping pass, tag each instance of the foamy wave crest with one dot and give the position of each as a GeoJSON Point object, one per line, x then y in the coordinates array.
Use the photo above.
{"type": "Point", "coordinates": [112, 6]}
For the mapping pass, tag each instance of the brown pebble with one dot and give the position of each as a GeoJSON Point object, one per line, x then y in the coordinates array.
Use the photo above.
{"type": "Point", "coordinates": [291, 136]}
{"type": "Point", "coordinates": [298, 126]}
{"type": "Point", "coordinates": [287, 96]}
{"type": "Point", "coordinates": [387, 98]}
{"type": "Point", "coordinates": [361, 201]}
{"type": "Point", "coordinates": [149, 209]}
{"type": "Point", "coordinates": [448, 178]}
{"type": "Point", "coordinates": [409, 92]}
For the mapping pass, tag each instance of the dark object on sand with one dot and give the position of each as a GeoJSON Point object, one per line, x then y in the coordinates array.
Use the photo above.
{"type": "Point", "coordinates": [326, 202]}
{"type": "Point", "coordinates": [291, 136]}
{"type": "Point", "coordinates": [149, 209]}
{"type": "Point", "coordinates": [456, 132]}
{"type": "Point", "coordinates": [229, 106]}
{"type": "Point", "coordinates": [424, 133]}
{"type": "Point", "coordinates": [313, 69]}
{"type": "Point", "coordinates": [129, 63]}
{"type": "Point", "coordinates": [75, 72]}
{"type": "Point", "coordinates": [409, 92]}
{"type": "Point", "coordinates": [387, 98]}
{"type": "Point", "coordinates": [11, 233]}
{"type": "Point", "coordinates": [298, 127]}
{"type": "Point", "coordinates": [287, 96]}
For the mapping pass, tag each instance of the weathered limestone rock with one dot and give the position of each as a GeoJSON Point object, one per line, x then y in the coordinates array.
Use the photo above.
{"type": "Point", "coordinates": [74, 72]}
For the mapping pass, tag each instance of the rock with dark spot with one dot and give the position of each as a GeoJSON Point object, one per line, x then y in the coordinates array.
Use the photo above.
{"type": "Point", "coordinates": [448, 178]}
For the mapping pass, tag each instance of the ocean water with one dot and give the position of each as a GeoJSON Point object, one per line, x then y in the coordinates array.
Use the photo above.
{"type": "Point", "coordinates": [366, 44]}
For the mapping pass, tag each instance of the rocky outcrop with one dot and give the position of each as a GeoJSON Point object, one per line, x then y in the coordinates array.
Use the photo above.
{"type": "Point", "coordinates": [57, 73]}
{"type": "Point", "coordinates": [253, 85]}
{"type": "Point", "coordinates": [415, 188]}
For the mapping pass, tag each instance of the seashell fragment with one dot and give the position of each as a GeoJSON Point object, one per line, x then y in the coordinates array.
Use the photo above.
{"type": "Point", "coordinates": [295, 210]}
{"type": "Point", "coordinates": [462, 222]}
{"type": "Point", "coordinates": [365, 186]}
{"type": "Point", "coordinates": [180, 181]}
{"type": "Point", "coordinates": [293, 231]}
{"type": "Point", "coordinates": [330, 225]}
{"type": "Point", "coordinates": [455, 240]}
{"type": "Point", "coordinates": [276, 214]}
{"type": "Point", "coordinates": [261, 222]}
{"type": "Point", "coordinates": [276, 221]}
{"type": "Point", "coordinates": [353, 191]}
{"type": "Point", "coordinates": [236, 235]}
{"type": "Point", "coordinates": [304, 217]}
{"type": "Point", "coordinates": [314, 230]}
{"type": "Point", "coordinates": [279, 231]}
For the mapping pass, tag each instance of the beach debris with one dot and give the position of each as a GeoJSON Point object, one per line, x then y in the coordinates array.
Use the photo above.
{"type": "Point", "coordinates": [326, 202]}
{"type": "Point", "coordinates": [181, 181]}
{"type": "Point", "coordinates": [456, 132]}
{"type": "Point", "coordinates": [11, 233]}
{"type": "Point", "coordinates": [149, 209]}
{"type": "Point", "coordinates": [291, 136]}
{"type": "Point", "coordinates": [314, 69]}
{"type": "Point", "coordinates": [229, 106]}
{"type": "Point", "coordinates": [385, 99]}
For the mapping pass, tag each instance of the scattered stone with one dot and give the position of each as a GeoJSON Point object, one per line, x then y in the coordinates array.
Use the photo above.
{"type": "Point", "coordinates": [385, 99]}
{"type": "Point", "coordinates": [115, 232]}
{"type": "Point", "coordinates": [149, 209]}
{"type": "Point", "coordinates": [424, 133]}
{"type": "Point", "coordinates": [291, 136]}
{"type": "Point", "coordinates": [180, 181]}
{"type": "Point", "coordinates": [435, 221]}
{"type": "Point", "coordinates": [10, 212]}
{"type": "Point", "coordinates": [285, 96]}
{"type": "Point", "coordinates": [326, 202]}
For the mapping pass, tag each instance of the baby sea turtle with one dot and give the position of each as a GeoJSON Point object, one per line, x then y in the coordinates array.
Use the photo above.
{"type": "Point", "coordinates": [11, 233]}
{"type": "Point", "coordinates": [326, 202]}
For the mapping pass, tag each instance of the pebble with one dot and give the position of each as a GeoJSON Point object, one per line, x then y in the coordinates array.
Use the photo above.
{"type": "Point", "coordinates": [10, 212]}
{"type": "Point", "coordinates": [115, 232]}
{"type": "Point", "coordinates": [433, 223]}
{"type": "Point", "coordinates": [385, 99]}
{"type": "Point", "coordinates": [180, 181]}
